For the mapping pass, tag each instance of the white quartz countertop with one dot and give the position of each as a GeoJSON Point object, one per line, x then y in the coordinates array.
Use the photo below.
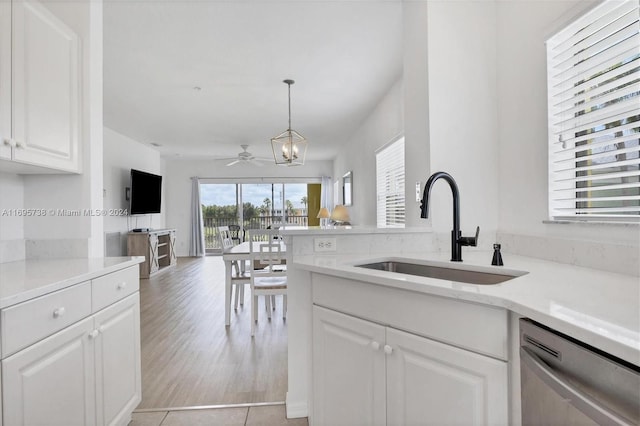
{"type": "Point", "coordinates": [347, 230]}
{"type": "Point", "coordinates": [599, 308]}
{"type": "Point", "coordinates": [24, 280]}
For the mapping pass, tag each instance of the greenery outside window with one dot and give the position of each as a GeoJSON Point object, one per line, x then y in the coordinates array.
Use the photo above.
{"type": "Point", "coordinates": [593, 78]}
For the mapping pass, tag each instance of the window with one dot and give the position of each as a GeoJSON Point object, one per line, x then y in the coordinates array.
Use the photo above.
{"type": "Point", "coordinates": [390, 185]}
{"type": "Point", "coordinates": [593, 78]}
{"type": "Point", "coordinates": [263, 206]}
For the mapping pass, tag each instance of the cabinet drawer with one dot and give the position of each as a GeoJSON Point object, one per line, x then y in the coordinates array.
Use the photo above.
{"type": "Point", "coordinates": [110, 288]}
{"type": "Point", "coordinates": [468, 325]}
{"type": "Point", "coordinates": [28, 322]}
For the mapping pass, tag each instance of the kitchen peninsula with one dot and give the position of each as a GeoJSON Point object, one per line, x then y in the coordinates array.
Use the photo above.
{"type": "Point", "coordinates": [599, 308]}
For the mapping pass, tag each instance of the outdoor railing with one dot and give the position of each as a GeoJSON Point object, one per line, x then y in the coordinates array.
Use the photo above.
{"type": "Point", "coordinates": [212, 242]}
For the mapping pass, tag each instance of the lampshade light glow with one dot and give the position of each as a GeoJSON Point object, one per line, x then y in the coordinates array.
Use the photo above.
{"type": "Point", "coordinates": [323, 213]}
{"type": "Point", "coordinates": [340, 214]}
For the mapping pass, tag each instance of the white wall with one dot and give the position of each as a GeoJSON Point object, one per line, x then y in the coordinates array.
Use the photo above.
{"type": "Point", "coordinates": [11, 226]}
{"type": "Point", "coordinates": [121, 154]}
{"type": "Point", "coordinates": [523, 110]}
{"type": "Point", "coordinates": [416, 105]}
{"type": "Point", "coordinates": [463, 114]}
{"type": "Point", "coordinates": [523, 27]}
{"type": "Point", "coordinates": [383, 125]}
{"type": "Point", "coordinates": [178, 174]}
{"type": "Point", "coordinates": [483, 76]}
{"type": "Point", "coordinates": [446, 106]}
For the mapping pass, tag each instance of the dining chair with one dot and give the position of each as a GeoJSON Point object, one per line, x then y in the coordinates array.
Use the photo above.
{"type": "Point", "coordinates": [268, 275]}
{"type": "Point", "coordinates": [240, 278]}
{"type": "Point", "coordinates": [234, 231]}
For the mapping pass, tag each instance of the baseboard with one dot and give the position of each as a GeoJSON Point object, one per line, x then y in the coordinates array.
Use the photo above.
{"type": "Point", "coordinates": [296, 409]}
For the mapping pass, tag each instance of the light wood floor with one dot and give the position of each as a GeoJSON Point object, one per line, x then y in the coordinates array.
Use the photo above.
{"type": "Point", "coordinates": [190, 358]}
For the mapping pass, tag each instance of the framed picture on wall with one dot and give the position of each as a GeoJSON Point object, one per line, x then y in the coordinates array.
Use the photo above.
{"type": "Point", "coordinates": [347, 189]}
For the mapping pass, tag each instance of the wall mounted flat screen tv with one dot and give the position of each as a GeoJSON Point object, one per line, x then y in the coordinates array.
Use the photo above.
{"type": "Point", "coordinates": [146, 193]}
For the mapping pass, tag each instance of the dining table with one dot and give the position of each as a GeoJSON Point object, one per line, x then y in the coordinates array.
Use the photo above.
{"type": "Point", "coordinates": [240, 253]}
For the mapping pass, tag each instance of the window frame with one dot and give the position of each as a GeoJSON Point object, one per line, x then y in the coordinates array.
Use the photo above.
{"type": "Point", "coordinates": [398, 181]}
{"type": "Point", "coordinates": [569, 200]}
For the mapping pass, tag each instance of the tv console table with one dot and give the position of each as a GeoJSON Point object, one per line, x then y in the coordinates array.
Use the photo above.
{"type": "Point", "coordinates": [158, 248]}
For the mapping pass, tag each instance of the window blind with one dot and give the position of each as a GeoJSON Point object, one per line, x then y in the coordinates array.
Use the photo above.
{"type": "Point", "coordinates": [593, 80]}
{"type": "Point", "coordinates": [390, 185]}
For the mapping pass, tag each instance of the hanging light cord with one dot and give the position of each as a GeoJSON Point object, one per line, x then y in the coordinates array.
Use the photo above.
{"type": "Point", "coordinates": [289, 90]}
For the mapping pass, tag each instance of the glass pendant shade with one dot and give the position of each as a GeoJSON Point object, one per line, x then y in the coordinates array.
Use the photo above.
{"type": "Point", "coordinates": [289, 147]}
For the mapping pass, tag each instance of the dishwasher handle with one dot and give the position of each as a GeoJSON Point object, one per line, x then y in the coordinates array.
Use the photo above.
{"type": "Point", "coordinates": [583, 402]}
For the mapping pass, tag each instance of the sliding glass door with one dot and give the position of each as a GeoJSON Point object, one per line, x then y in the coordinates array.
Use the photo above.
{"type": "Point", "coordinates": [264, 205]}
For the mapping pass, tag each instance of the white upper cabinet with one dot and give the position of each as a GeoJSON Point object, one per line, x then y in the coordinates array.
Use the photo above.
{"type": "Point", "coordinates": [5, 79]}
{"type": "Point", "coordinates": [44, 80]}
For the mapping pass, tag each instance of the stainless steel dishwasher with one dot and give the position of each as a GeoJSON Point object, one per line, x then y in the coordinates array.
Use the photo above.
{"type": "Point", "coordinates": [566, 382]}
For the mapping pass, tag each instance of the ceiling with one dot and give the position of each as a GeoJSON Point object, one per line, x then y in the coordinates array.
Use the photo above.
{"type": "Point", "coordinates": [344, 55]}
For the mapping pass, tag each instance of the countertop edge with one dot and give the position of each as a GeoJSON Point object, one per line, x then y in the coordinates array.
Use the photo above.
{"type": "Point", "coordinates": [72, 279]}
{"type": "Point", "coordinates": [629, 352]}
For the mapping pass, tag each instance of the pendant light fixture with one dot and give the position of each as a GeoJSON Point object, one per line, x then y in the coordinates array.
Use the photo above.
{"type": "Point", "coordinates": [289, 147]}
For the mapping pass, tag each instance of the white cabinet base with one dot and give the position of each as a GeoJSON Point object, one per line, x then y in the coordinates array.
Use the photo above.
{"type": "Point", "coordinates": [368, 369]}
{"type": "Point", "coordinates": [432, 383]}
{"type": "Point", "coordinates": [52, 382]}
{"type": "Point", "coordinates": [84, 373]}
{"type": "Point", "coordinates": [117, 353]}
{"type": "Point", "coordinates": [349, 376]}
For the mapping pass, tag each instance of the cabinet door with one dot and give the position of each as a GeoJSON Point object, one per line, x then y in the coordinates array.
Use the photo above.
{"type": "Point", "coordinates": [52, 382]}
{"type": "Point", "coordinates": [118, 388]}
{"type": "Point", "coordinates": [45, 88]}
{"type": "Point", "coordinates": [153, 253]}
{"type": "Point", "coordinates": [5, 78]}
{"type": "Point", "coordinates": [433, 383]}
{"type": "Point", "coordinates": [173, 259]}
{"type": "Point", "coordinates": [348, 370]}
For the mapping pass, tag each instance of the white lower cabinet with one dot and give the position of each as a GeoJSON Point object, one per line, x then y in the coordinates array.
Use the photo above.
{"type": "Point", "coordinates": [53, 381]}
{"type": "Point", "coordinates": [86, 374]}
{"type": "Point", "coordinates": [368, 374]}
{"type": "Point", "coordinates": [429, 382]}
{"type": "Point", "coordinates": [117, 356]}
{"type": "Point", "coordinates": [349, 379]}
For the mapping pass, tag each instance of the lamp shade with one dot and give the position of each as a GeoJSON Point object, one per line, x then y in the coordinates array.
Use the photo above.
{"type": "Point", "coordinates": [340, 214]}
{"type": "Point", "coordinates": [323, 213]}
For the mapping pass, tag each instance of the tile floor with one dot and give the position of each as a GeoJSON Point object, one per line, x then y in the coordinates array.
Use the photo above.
{"type": "Point", "coordinates": [271, 415]}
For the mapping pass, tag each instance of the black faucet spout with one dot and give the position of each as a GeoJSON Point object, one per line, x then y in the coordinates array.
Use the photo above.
{"type": "Point", "coordinates": [457, 241]}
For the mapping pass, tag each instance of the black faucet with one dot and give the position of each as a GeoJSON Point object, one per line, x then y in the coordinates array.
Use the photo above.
{"type": "Point", "coordinates": [457, 240]}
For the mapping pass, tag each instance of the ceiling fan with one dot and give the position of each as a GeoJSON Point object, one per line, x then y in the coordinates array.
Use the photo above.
{"type": "Point", "coordinates": [245, 157]}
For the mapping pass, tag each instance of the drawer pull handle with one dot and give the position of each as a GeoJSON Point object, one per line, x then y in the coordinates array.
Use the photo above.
{"type": "Point", "coordinates": [388, 349]}
{"type": "Point", "coordinates": [94, 334]}
{"type": "Point", "coordinates": [20, 144]}
{"type": "Point", "coordinates": [57, 313]}
{"type": "Point", "coordinates": [10, 142]}
{"type": "Point", "coordinates": [375, 345]}
{"type": "Point", "coordinates": [122, 286]}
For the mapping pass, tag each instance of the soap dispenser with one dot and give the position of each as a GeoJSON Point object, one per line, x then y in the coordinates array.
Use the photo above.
{"type": "Point", "coordinates": [497, 257]}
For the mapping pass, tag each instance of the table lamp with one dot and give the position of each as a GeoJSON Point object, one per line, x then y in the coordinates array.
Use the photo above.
{"type": "Point", "coordinates": [323, 215]}
{"type": "Point", "coordinates": [340, 215]}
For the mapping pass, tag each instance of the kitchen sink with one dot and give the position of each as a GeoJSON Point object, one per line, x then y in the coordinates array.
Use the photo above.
{"type": "Point", "coordinates": [444, 271]}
